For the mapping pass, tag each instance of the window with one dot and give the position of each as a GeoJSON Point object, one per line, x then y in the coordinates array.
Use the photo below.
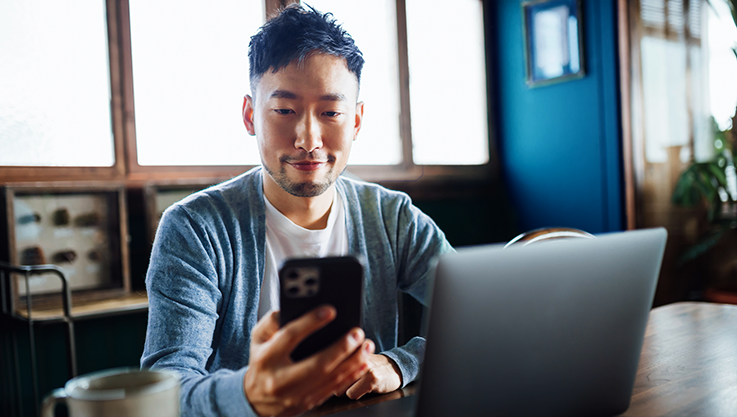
{"type": "Point", "coordinates": [54, 78]}
{"type": "Point", "coordinates": [168, 105]}
{"type": "Point", "coordinates": [190, 73]}
{"type": "Point", "coordinates": [443, 65]}
{"type": "Point", "coordinates": [675, 114]}
{"type": "Point", "coordinates": [722, 51]}
{"type": "Point", "coordinates": [447, 87]}
{"type": "Point", "coordinates": [672, 107]}
{"type": "Point", "coordinates": [374, 28]}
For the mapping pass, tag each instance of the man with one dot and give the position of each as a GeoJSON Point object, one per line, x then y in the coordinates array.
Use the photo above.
{"type": "Point", "coordinates": [213, 270]}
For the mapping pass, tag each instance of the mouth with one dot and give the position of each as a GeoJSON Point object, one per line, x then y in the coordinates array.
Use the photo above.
{"type": "Point", "coordinates": [307, 166]}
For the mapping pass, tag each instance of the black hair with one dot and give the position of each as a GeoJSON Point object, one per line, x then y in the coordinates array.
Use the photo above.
{"type": "Point", "coordinates": [293, 35]}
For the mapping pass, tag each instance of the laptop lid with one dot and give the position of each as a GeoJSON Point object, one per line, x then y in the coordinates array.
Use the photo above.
{"type": "Point", "coordinates": [549, 329]}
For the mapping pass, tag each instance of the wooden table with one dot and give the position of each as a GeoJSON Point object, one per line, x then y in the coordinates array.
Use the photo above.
{"type": "Point", "coordinates": [688, 365]}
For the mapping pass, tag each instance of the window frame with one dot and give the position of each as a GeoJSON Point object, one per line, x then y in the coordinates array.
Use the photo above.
{"type": "Point", "coordinates": [117, 171]}
{"type": "Point", "coordinates": [122, 110]}
{"type": "Point", "coordinates": [639, 196]}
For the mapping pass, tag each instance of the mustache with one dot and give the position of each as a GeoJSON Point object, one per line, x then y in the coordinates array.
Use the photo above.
{"type": "Point", "coordinates": [307, 156]}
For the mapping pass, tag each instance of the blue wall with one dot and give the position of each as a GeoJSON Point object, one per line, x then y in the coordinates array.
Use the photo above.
{"type": "Point", "coordinates": [560, 145]}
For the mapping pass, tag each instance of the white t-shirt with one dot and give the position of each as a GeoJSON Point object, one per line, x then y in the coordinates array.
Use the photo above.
{"type": "Point", "coordinates": [284, 239]}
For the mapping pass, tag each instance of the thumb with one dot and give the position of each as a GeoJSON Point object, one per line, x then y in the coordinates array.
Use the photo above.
{"type": "Point", "coordinates": [266, 327]}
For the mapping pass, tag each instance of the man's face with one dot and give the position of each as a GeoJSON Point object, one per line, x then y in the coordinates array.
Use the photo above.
{"type": "Point", "coordinates": [305, 118]}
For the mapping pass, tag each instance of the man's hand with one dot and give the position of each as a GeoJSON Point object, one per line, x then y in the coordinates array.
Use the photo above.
{"type": "Point", "coordinates": [274, 385]}
{"type": "Point", "coordinates": [383, 376]}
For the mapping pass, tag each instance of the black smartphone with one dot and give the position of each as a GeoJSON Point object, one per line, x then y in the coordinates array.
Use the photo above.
{"type": "Point", "coordinates": [305, 283]}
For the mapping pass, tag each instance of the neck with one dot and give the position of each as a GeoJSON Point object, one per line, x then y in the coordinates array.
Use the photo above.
{"type": "Point", "coordinates": [309, 212]}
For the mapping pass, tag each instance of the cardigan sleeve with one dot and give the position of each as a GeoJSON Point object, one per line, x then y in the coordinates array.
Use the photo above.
{"type": "Point", "coordinates": [184, 300]}
{"type": "Point", "coordinates": [420, 241]}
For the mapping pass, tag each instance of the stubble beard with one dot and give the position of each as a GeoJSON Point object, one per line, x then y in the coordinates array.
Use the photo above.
{"type": "Point", "coordinates": [302, 189]}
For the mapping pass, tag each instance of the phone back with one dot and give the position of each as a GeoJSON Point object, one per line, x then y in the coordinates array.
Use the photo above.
{"type": "Point", "coordinates": [306, 283]}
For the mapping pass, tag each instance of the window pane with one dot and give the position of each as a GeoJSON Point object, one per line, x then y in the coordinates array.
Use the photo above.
{"type": "Point", "coordinates": [190, 73]}
{"type": "Point", "coordinates": [722, 36]}
{"type": "Point", "coordinates": [55, 84]}
{"type": "Point", "coordinates": [665, 105]}
{"type": "Point", "coordinates": [447, 82]}
{"type": "Point", "coordinates": [373, 25]}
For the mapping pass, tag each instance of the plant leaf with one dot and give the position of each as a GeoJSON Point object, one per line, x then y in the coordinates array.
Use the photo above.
{"type": "Point", "coordinates": [704, 185]}
{"type": "Point", "coordinates": [717, 172]}
{"type": "Point", "coordinates": [685, 193]}
{"type": "Point", "coordinates": [702, 246]}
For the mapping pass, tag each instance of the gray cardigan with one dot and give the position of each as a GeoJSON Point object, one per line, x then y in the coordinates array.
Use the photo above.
{"type": "Point", "coordinates": [207, 266]}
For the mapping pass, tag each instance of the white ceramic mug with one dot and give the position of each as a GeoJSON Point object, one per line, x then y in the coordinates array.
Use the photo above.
{"type": "Point", "coordinates": [120, 392]}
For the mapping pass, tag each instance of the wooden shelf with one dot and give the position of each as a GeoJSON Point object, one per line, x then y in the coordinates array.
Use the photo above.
{"type": "Point", "coordinates": [131, 302]}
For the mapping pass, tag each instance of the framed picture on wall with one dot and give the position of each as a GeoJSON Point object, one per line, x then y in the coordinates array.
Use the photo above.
{"type": "Point", "coordinates": [81, 228]}
{"type": "Point", "coordinates": [553, 41]}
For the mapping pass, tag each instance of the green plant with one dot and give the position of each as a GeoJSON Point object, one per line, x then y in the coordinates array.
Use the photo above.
{"type": "Point", "coordinates": [712, 185]}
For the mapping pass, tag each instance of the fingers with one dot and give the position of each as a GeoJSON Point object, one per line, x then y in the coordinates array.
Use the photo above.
{"type": "Point", "coordinates": [333, 369]}
{"type": "Point", "coordinates": [274, 384]}
{"type": "Point", "coordinates": [294, 332]}
{"type": "Point", "coordinates": [342, 384]}
{"type": "Point", "coordinates": [326, 361]}
{"type": "Point", "coordinates": [331, 357]}
{"type": "Point", "coordinates": [266, 327]}
{"type": "Point", "coordinates": [345, 375]}
{"type": "Point", "coordinates": [383, 376]}
{"type": "Point", "coordinates": [292, 392]}
{"type": "Point", "coordinates": [368, 349]}
{"type": "Point", "coordinates": [362, 387]}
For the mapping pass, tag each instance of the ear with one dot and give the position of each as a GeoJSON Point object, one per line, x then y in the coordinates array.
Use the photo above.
{"type": "Point", "coordinates": [248, 115]}
{"type": "Point", "coordinates": [359, 119]}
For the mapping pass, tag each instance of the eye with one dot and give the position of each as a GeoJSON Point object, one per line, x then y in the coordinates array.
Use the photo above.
{"type": "Point", "coordinates": [283, 111]}
{"type": "Point", "coordinates": [332, 113]}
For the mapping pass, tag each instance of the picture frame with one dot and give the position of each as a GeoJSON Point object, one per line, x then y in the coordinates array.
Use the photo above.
{"type": "Point", "coordinates": [553, 41]}
{"type": "Point", "coordinates": [79, 227]}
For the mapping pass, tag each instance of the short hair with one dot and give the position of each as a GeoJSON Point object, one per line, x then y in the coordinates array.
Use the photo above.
{"type": "Point", "coordinates": [293, 35]}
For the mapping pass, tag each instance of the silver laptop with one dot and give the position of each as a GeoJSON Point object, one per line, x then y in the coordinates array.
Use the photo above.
{"type": "Point", "coordinates": [552, 329]}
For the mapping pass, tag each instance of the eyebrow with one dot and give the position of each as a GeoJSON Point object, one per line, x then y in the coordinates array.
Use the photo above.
{"type": "Point", "coordinates": [333, 97]}
{"type": "Point", "coordinates": [283, 94]}
{"type": "Point", "coordinates": [291, 96]}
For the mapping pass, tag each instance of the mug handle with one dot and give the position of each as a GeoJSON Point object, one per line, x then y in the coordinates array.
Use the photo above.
{"type": "Point", "coordinates": [47, 407]}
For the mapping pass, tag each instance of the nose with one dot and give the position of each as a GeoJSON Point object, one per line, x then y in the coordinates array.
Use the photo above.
{"type": "Point", "coordinates": [309, 135]}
